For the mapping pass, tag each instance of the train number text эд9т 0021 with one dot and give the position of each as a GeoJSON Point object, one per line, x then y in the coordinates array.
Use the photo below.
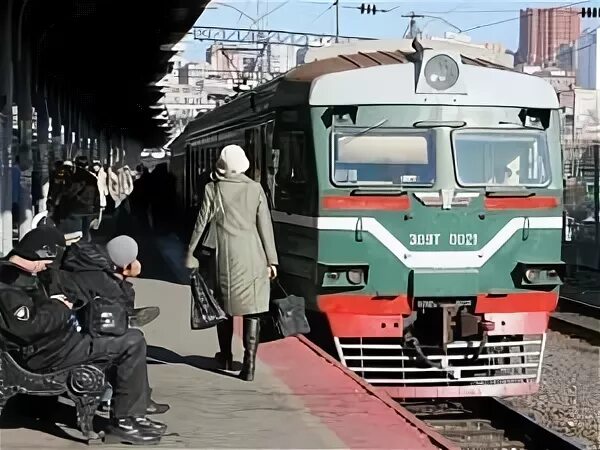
{"type": "Point", "coordinates": [454, 239]}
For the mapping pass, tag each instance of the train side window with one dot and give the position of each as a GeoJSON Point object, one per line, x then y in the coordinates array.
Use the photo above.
{"type": "Point", "coordinates": [204, 160]}
{"type": "Point", "coordinates": [257, 152]}
{"type": "Point", "coordinates": [188, 177]}
{"type": "Point", "coordinates": [213, 157]}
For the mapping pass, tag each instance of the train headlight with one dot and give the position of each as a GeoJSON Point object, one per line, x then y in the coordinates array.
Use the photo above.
{"type": "Point", "coordinates": [441, 72]}
{"type": "Point", "coordinates": [532, 275]}
{"type": "Point", "coordinates": [546, 275]}
{"type": "Point", "coordinates": [355, 276]}
{"type": "Point", "coordinates": [339, 276]}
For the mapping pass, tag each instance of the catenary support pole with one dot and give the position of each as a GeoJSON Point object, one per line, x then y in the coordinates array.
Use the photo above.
{"type": "Point", "coordinates": [6, 101]}
{"type": "Point", "coordinates": [24, 103]}
{"type": "Point", "coordinates": [41, 162]}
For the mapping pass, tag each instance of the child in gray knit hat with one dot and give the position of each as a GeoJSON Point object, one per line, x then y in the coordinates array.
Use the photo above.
{"type": "Point", "coordinates": [123, 252]}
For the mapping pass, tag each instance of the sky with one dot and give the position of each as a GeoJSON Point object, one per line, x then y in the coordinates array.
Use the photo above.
{"type": "Point", "coordinates": [316, 16]}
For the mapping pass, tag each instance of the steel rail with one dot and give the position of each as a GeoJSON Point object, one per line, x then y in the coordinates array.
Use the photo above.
{"type": "Point", "coordinates": [489, 423]}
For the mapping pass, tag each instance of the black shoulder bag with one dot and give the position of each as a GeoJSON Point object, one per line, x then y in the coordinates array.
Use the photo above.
{"type": "Point", "coordinates": [105, 317]}
{"type": "Point", "coordinates": [286, 316]}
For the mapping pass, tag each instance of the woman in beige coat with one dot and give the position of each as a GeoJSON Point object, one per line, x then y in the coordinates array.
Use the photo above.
{"type": "Point", "coordinates": [246, 258]}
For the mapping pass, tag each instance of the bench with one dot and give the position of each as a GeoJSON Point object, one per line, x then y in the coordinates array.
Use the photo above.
{"type": "Point", "coordinates": [84, 384]}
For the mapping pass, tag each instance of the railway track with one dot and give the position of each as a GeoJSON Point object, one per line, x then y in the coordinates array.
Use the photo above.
{"type": "Point", "coordinates": [577, 318]}
{"type": "Point", "coordinates": [488, 424]}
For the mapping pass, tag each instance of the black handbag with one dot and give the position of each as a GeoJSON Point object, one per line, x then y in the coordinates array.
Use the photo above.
{"type": "Point", "coordinates": [206, 312]}
{"type": "Point", "coordinates": [105, 317]}
{"type": "Point", "coordinates": [286, 316]}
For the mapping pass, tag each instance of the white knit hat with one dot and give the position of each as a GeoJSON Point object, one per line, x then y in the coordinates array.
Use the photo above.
{"type": "Point", "coordinates": [232, 160]}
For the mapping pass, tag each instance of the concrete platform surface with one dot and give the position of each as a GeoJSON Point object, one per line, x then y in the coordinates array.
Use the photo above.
{"type": "Point", "coordinates": [300, 399]}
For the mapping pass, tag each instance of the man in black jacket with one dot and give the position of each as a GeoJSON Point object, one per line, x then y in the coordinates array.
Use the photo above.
{"type": "Point", "coordinates": [38, 323]}
{"type": "Point", "coordinates": [102, 272]}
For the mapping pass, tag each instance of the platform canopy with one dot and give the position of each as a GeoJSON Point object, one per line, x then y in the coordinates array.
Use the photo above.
{"type": "Point", "coordinates": [107, 54]}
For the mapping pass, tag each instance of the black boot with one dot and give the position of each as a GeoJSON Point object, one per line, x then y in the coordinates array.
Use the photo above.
{"type": "Point", "coordinates": [143, 316]}
{"type": "Point", "coordinates": [224, 358]}
{"type": "Point", "coordinates": [251, 333]}
{"type": "Point", "coordinates": [130, 431]}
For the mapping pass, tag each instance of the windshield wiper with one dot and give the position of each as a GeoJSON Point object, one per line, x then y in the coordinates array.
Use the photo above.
{"type": "Point", "coordinates": [372, 127]}
{"type": "Point", "coordinates": [500, 191]}
{"type": "Point", "coordinates": [520, 125]}
{"type": "Point", "coordinates": [381, 192]}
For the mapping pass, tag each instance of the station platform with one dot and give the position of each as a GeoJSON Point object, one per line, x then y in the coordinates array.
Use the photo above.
{"type": "Point", "coordinates": [301, 398]}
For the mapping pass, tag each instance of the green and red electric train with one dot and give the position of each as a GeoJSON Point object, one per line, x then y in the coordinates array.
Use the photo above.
{"type": "Point", "coordinates": [417, 204]}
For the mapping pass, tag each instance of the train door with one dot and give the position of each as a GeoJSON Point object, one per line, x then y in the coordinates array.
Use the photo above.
{"type": "Point", "coordinates": [249, 142]}
{"type": "Point", "coordinates": [292, 191]}
{"type": "Point", "coordinates": [266, 159]}
{"type": "Point", "coordinates": [194, 177]}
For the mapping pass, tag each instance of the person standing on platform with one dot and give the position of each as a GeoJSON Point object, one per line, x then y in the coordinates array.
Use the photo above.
{"type": "Point", "coordinates": [246, 257]}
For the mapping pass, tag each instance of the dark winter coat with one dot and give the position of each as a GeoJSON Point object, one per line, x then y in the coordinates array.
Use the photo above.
{"type": "Point", "coordinates": [73, 191]}
{"type": "Point", "coordinates": [38, 330]}
{"type": "Point", "coordinates": [95, 274]}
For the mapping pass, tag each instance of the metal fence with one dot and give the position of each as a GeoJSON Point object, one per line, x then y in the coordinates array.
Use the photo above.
{"type": "Point", "coordinates": [582, 204]}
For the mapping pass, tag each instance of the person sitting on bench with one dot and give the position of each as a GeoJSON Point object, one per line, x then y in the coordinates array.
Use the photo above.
{"type": "Point", "coordinates": [102, 271]}
{"type": "Point", "coordinates": [39, 325]}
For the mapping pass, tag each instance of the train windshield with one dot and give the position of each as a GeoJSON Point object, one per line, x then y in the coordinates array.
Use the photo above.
{"type": "Point", "coordinates": [501, 158]}
{"type": "Point", "coordinates": [383, 157]}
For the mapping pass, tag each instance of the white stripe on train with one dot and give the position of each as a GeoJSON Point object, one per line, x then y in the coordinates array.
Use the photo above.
{"type": "Point", "coordinates": [423, 259]}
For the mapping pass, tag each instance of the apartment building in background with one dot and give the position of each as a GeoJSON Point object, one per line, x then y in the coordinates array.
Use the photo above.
{"type": "Point", "coordinates": [543, 31]}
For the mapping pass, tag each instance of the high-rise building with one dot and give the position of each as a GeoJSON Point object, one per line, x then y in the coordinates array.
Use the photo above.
{"type": "Point", "coordinates": [588, 60]}
{"type": "Point", "coordinates": [543, 31]}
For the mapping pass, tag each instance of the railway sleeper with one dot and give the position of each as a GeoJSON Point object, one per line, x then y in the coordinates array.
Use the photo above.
{"type": "Point", "coordinates": [487, 436]}
{"type": "Point", "coordinates": [509, 445]}
{"type": "Point", "coordinates": [463, 424]}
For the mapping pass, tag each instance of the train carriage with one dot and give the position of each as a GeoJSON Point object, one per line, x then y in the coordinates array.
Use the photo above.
{"type": "Point", "coordinates": [417, 204]}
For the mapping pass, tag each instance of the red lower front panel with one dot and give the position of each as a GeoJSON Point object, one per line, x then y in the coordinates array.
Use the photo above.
{"type": "Point", "coordinates": [368, 334]}
{"type": "Point", "coordinates": [352, 325]}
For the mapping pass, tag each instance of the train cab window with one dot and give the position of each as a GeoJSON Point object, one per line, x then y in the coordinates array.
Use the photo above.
{"type": "Point", "coordinates": [501, 158]}
{"type": "Point", "coordinates": [383, 158]}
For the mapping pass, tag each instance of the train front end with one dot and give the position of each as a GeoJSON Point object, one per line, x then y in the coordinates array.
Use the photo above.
{"type": "Point", "coordinates": [439, 225]}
